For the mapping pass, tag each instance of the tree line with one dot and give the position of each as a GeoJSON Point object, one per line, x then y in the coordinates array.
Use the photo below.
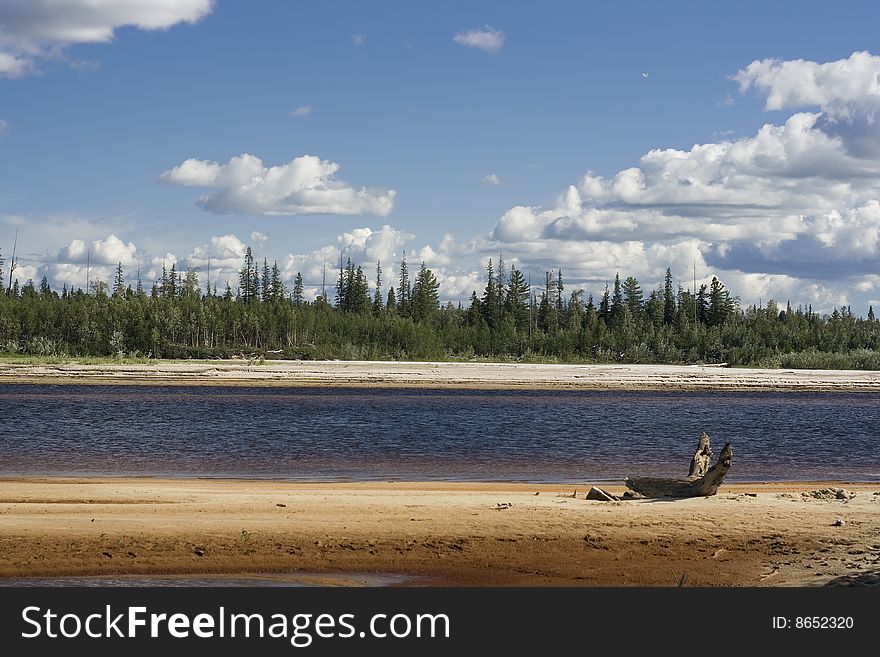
{"type": "Point", "coordinates": [511, 318]}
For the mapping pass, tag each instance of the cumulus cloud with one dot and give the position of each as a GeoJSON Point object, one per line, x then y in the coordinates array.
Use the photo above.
{"type": "Point", "coordinates": [33, 30]}
{"type": "Point", "coordinates": [485, 38]}
{"type": "Point", "coordinates": [792, 209]}
{"type": "Point", "coordinates": [491, 179]}
{"type": "Point", "coordinates": [799, 83]}
{"type": "Point", "coordinates": [109, 251]}
{"type": "Point", "coordinates": [258, 238]}
{"type": "Point", "coordinates": [305, 185]}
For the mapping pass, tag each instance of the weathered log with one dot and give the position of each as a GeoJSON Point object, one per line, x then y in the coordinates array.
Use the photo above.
{"type": "Point", "coordinates": [702, 457]}
{"type": "Point", "coordinates": [692, 486]}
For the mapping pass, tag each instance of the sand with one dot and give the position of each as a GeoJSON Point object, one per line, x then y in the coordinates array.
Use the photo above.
{"type": "Point", "coordinates": [437, 533]}
{"type": "Point", "coordinates": [446, 375]}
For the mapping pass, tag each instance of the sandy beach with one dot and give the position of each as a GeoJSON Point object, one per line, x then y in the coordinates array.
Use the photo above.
{"type": "Point", "coordinates": [439, 533]}
{"type": "Point", "coordinates": [445, 375]}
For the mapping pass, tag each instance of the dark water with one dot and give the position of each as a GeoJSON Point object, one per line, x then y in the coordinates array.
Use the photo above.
{"type": "Point", "coordinates": [327, 434]}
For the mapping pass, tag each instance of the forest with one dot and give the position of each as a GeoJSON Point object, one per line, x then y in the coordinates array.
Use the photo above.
{"type": "Point", "coordinates": [508, 320]}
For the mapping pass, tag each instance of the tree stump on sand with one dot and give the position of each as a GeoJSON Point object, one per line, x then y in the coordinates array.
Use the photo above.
{"type": "Point", "coordinates": [702, 480]}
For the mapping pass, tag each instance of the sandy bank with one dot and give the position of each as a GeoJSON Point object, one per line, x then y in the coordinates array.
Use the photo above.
{"type": "Point", "coordinates": [446, 375]}
{"type": "Point", "coordinates": [749, 534]}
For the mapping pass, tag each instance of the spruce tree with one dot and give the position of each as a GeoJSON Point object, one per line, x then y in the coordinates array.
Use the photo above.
{"type": "Point", "coordinates": [605, 305]}
{"type": "Point", "coordinates": [668, 299]}
{"type": "Point", "coordinates": [377, 297]}
{"type": "Point", "coordinates": [720, 304]}
{"type": "Point", "coordinates": [298, 290]}
{"type": "Point", "coordinates": [119, 282]}
{"type": "Point", "coordinates": [391, 303]}
{"type": "Point", "coordinates": [426, 298]}
{"type": "Point", "coordinates": [266, 282]}
{"type": "Point", "coordinates": [45, 290]}
{"type": "Point", "coordinates": [247, 278]}
{"type": "Point", "coordinates": [632, 296]}
{"type": "Point", "coordinates": [489, 305]}
{"type": "Point", "coordinates": [516, 299]}
{"type": "Point", "coordinates": [617, 302]}
{"type": "Point", "coordinates": [404, 289]}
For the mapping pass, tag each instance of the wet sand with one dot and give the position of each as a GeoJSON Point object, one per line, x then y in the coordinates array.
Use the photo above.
{"type": "Point", "coordinates": [763, 534]}
{"type": "Point", "coordinates": [468, 375]}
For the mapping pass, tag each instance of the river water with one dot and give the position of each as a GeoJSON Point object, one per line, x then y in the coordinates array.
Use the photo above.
{"type": "Point", "coordinates": [326, 434]}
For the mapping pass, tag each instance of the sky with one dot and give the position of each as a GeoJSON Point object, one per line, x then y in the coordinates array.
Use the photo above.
{"type": "Point", "coordinates": [594, 138]}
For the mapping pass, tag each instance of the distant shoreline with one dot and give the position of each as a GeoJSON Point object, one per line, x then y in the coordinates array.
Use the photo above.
{"type": "Point", "coordinates": [451, 375]}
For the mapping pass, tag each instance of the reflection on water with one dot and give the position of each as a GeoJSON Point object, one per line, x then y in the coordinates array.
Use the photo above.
{"type": "Point", "coordinates": [419, 434]}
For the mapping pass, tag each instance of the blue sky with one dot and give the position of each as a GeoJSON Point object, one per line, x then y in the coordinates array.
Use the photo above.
{"type": "Point", "coordinates": [424, 107]}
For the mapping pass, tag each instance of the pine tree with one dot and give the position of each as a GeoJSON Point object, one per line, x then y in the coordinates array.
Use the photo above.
{"type": "Point", "coordinates": [605, 305]}
{"type": "Point", "coordinates": [276, 285]}
{"type": "Point", "coordinates": [2, 263]}
{"type": "Point", "coordinates": [119, 282]}
{"type": "Point", "coordinates": [425, 300]}
{"type": "Point", "coordinates": [871, 313]}
{"type": "Point", "coordinates": [404, 290]}
{"type": "Point", "coordinates": [489, 305]}
{"type": "Point", "coordinates": [516, 299]}
{"type": "Point", "coordinates": [391, 303]}
{"type": "Point", "coordinates": [246, 275]}
{"type": "Point", "coordinates": [720, 305]}
{"type": "Point", "coordinates": [298, 290]}
{"type": "Point", "coordinates": [190, 289]}
{"type": "Point", "coordinates": [45, 290]}
{"type": "Point", "coordinates": [548, 318]}
{"type": "Point", "coordinates": [377, 297]}
{"type": "Point", "coordinates": [702, 304]}
{"type": "Point", "coordinates": [266, 282]}
{"type": "Point", "coordinates": [560, 288]}
{"type": "Point", "coordinates": [616, 302]}
{"type": "Point", "coordinates": [360, 293]}
{"type": "Point", "coordinates": [632, 296]}
{"type": "Point", "coordinates": [474, 316]}
{"type": "Point", "coordinates": [668, 299]}
{"type": "Point", "coordinates": [171, 286]}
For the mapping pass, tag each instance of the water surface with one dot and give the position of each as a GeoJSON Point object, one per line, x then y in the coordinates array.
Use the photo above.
{"type": "Point", "coordinates": [420, 434]}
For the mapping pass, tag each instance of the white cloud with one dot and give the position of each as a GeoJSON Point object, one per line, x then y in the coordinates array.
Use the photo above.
{"type": "Point", "coordinates": [798, 83]}
{"type": "Point", "coordinates": [258, 238]}
{"type": "Point", "coordinates": [4, 128]}
{"type": "Point", "coordinates": [305, 185]}
{"type": "Point", "coordinates": [791, 211]}
{"type": "Point", "coordinates": [303, 110]}
{"type": "Point", "coordinates": [109, 251]}
{"type": "Point", "coordinates": [485, 38]}
{"type": "Point", "coordinates": [33, 30]}
{"type": "Point", "coordinates": [491, 179]}
{"type": "Point", "coordinates": [358, 39]}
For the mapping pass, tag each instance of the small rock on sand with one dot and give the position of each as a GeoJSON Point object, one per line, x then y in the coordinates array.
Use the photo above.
{"type": "Point", "coordinates": [840, 522]}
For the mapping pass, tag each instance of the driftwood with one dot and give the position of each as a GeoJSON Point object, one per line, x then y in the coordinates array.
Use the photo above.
{"type": "Point", "coordinates": [701, 481]}
{"type": "Point", "coordinates": [702, 457]}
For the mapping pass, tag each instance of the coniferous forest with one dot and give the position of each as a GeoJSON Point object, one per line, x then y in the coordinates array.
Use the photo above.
{"type": "Point", "coordinates": [507, 320]}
